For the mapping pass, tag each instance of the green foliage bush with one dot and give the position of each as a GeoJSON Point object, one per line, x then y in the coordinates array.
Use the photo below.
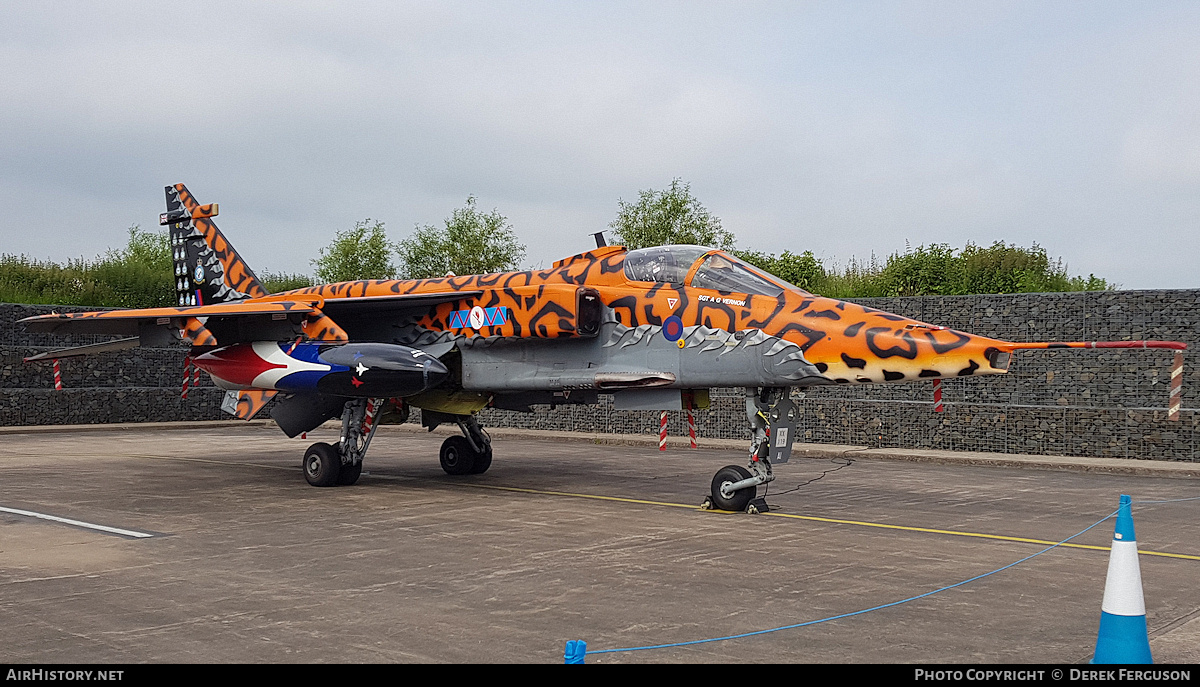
{"type": "Point", "coordinates": [137, 276]}
{"type": "Point", "coordinates": [931, 270]}
{"type": "Point", "coordinates": [276, 282]}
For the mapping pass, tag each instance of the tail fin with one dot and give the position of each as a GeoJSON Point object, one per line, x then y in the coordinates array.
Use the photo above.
{"type": "Point", "coordinates": [207, 268]}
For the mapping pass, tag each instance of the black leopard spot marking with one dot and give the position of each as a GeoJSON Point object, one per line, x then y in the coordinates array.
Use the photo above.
{"type": "Point", "coordinates": [852, 330]}
{"type": "Point", "coordinates": [821, 367]}
{"type": "Point", "coordinates": [908, 350]}
{"type": "Point", "coordinates": [823, 313]}
{"type": "Point", "coordinates": [851, 361]}
{"type": "Point", "coordinates": [969, 369]}
{"type": "Point", "coordinates": [890, 376]}
{"type": "Point", "coordinates": [930, 373]}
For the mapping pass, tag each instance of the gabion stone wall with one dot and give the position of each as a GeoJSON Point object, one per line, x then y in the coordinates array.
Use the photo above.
{"type": "Point", "coordinates": [1103, 402]}
{"type": "Point", "coordinates": [135, 385]}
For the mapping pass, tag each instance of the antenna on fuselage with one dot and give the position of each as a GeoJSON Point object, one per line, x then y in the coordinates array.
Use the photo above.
{"type": "Point", "coordinates": [599, 236]}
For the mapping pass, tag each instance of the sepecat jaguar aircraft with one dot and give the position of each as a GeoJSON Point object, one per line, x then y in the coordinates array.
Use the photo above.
{"type": "Point", "coordinates": [654, 327]}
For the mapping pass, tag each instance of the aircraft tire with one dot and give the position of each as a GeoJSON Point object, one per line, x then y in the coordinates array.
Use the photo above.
{"type": "Point", "coordinates": [322, 465]}
{"type": "Point", "coordinates": [483, 461]}
{"type": "Point", "coordinates": [728, 475]}
{"type": "Point", "coordinates": [457, 456]}
{"type": "Point", "coordinates": [349, 474]}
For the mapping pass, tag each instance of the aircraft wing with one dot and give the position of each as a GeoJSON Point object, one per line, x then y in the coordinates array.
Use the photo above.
{"type": "Point", "coordinates": [127, 322]}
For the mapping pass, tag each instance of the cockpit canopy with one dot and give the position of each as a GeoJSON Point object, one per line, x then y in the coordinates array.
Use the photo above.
{"type": "Point", "coordinates": [718, 271]}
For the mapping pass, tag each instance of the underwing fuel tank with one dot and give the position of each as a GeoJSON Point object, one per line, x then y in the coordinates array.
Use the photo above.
{"type": "Point", "coordinates": [364, 370]}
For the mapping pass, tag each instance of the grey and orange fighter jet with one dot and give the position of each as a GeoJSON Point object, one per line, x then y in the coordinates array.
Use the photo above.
{"type": "Point", "coordinates": [655, 327]}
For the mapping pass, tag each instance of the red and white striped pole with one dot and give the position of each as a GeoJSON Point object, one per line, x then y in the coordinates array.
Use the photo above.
{"type": "Point", "coordinates": [937, 396]}
{"type": "Point", "coordinates": [1176, 398]}
{"type": "Point", "coordinates": [662, 431]}
{"type": "Point", "coordinates": [369, 416]}
{"type": "Point", "coordinates": [196, 377]}
{"type": "Point", "coordinates": [187, 375]}
{"type": "Point", "coordinates": [692, 426]}
{"type": "Point", "coordinates": [57, 376]}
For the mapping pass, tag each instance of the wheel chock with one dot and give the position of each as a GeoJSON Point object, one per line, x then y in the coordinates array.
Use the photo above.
{"type": "Point", "coordinates": [757, 505]}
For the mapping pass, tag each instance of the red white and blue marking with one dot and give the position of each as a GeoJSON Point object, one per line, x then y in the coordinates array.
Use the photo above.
{"type": "Point", "coordinates": [265, 365]}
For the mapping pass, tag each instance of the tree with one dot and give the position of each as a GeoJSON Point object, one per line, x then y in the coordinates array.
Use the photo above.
{"type": "Point", "coordinates": [472, 242]}
{"type": "Point", "coordinates": [359, 253]}
{"type": "Point", "coordinates": [673, 216]}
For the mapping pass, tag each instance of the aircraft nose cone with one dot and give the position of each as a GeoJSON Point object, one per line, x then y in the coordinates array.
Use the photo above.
{"type": "Point", "coordinates": [433, 372]}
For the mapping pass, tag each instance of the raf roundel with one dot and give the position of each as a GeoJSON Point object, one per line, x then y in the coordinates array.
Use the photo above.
{"type": "Point", "coordinates": [672, 328]}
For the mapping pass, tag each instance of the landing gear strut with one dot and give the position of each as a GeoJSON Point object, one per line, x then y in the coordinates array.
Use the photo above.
{"type": "Point", "coordinates": [326, 465]}
{"type": "Point", "coordinates": [469, 454]}
{"type": "Point", "coordinates": [734, 488]}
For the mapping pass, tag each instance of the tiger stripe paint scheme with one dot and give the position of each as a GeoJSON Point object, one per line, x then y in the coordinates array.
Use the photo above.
{"type": "Point", "coordinates": [846, 342]}
{"type": "Point", "coordinates": [653, 326]}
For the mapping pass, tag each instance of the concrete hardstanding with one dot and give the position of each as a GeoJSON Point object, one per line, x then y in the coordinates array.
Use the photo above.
{"type": "Point", "coordinates": [557, 541]}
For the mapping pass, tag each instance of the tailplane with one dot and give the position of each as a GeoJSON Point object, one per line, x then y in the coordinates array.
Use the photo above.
{"type": "Point", "coordinates": [207, 268]}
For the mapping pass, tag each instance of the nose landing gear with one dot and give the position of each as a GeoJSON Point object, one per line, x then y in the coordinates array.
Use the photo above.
{"type": "Point", "coordinates": [772, 419]}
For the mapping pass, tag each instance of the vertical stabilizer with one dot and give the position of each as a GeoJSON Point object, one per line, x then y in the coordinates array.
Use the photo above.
{"type": "Point", "coordinates": [207, 268]}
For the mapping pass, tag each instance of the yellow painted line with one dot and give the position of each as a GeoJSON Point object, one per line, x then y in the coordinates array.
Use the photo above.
{"type": "Point", "coordinates": [980, 535]}
{"type": "Point", "coordinates": [813, 518]}
{"type": "Point", "coordinates": [927, 530]}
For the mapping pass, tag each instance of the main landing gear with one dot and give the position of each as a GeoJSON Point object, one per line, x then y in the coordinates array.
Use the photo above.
{"type": "Point", "coordinates": [326, 465]}
{"type": "Point", "coordinates": [735, 488]}
{"type": "Point", "coordinates": [469, 454]}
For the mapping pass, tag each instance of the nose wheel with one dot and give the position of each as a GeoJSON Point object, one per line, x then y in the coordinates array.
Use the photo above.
{"type": "Point", "coordinates": [735, 488]}
{"type": "Point", "coordinates": [722, 497]}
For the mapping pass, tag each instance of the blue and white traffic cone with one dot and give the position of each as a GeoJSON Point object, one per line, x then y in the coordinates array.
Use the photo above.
{"type": "Point", "coordinates": [1123, 637]}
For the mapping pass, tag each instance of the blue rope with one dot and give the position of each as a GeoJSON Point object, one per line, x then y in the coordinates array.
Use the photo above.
{"type": "Point", "coordinates": [865, 610]}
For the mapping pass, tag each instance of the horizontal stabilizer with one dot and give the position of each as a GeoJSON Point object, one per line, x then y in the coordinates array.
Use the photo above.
{"type": "Point", "coordinates": [107, 346]}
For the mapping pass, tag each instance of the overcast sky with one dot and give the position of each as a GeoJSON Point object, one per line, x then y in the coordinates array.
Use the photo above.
{"type": "Point", "coordinates": [844, 128]}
